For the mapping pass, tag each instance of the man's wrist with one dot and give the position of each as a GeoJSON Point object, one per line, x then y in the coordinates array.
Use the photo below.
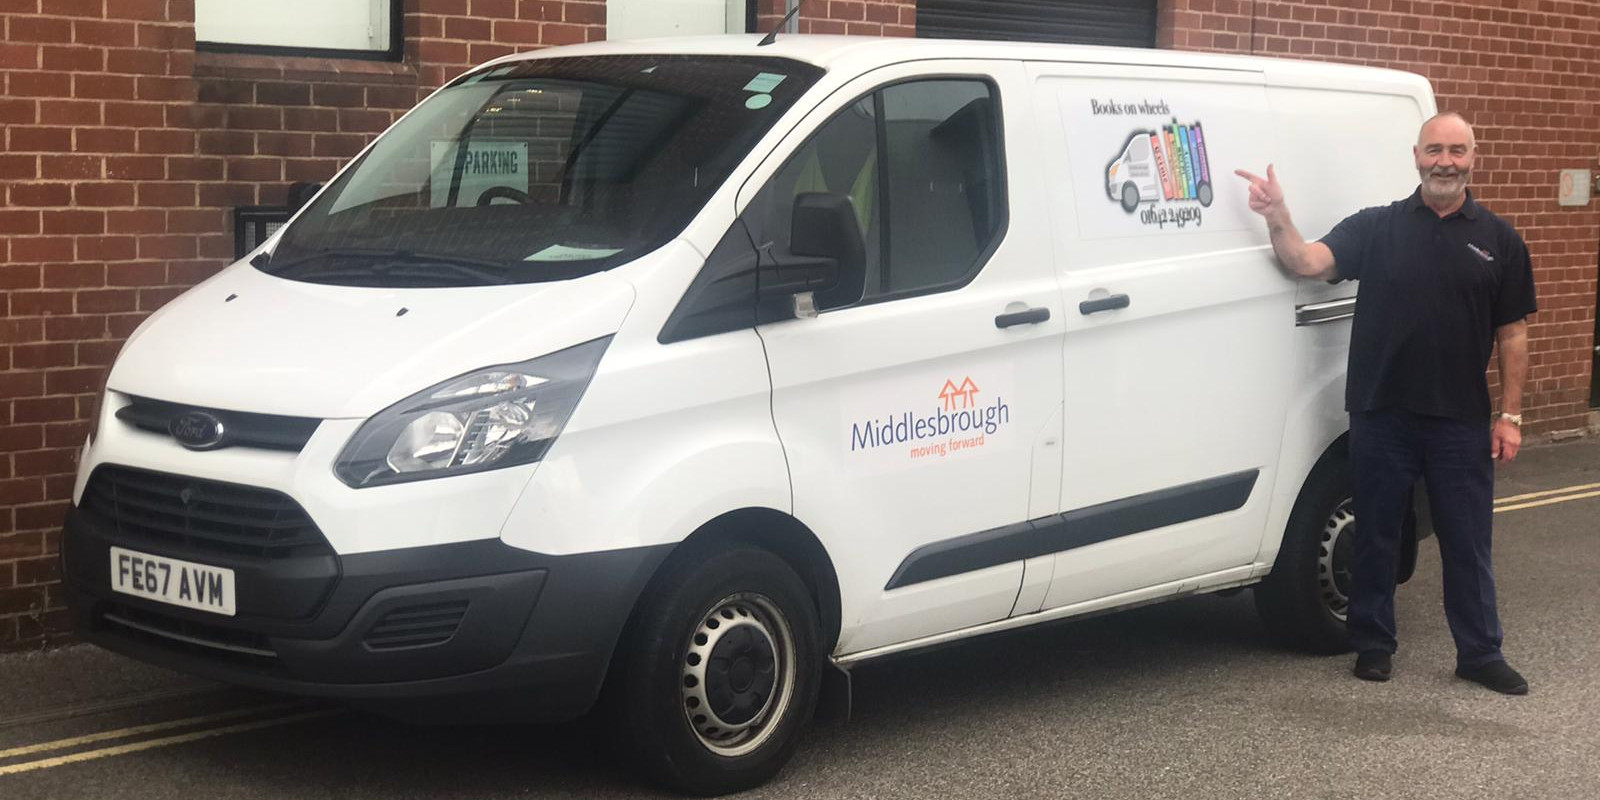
{"type": "Point", "coordinates": [1514, 419]}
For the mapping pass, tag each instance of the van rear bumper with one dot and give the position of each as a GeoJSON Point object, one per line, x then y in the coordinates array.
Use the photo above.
{"type": "Point", "coordinates": [468, 632]}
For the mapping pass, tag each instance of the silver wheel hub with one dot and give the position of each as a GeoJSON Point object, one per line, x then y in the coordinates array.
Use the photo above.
{"type": "Point", "coordinates": [1335, 554]}
{"type": "Point", "coordinates": [738, 674]}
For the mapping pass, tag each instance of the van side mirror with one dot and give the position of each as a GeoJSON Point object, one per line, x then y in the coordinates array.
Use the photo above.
{"type": "Point", "coordinates": [827, 256]}
{"type": "Point", "coordinates": [300, 193]}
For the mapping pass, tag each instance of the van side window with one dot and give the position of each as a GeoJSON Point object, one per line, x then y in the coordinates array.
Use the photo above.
{"type": "Point", "coordinates": [920, 165]}
{"type": "Point", "coordinates": [942, 187]}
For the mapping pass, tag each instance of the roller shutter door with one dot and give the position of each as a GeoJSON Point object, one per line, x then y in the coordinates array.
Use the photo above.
{"type": "Point", "coordinates": [1129, 23]}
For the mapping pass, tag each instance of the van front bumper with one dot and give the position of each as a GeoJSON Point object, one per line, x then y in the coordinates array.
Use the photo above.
{"type": "Point", "coordinates": [468, 632]}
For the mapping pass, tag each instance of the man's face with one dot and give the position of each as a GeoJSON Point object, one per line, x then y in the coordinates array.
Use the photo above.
{"type": "Point", "coordinates": [1444, 153]}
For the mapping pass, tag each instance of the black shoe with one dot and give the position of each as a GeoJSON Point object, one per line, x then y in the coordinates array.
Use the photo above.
{"type": "Point", "coordinates": [1497, 675]}
{"type": "Point", "coordinates": [1373, 665]}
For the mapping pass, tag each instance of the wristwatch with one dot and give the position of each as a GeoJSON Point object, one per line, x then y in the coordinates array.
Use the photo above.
{"type": "Point", "coordinates": [1514, 419]}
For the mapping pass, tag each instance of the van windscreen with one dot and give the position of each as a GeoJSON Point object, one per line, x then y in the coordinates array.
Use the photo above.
{"type": "Point", "coordinates": [540, 170]}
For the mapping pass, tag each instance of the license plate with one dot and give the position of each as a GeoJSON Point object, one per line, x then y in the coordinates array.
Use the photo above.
{"type": "Point", "coordinates": [169, 580]}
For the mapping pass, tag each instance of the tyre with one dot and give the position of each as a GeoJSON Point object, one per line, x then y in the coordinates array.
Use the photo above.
{"type": "Point", "coordinates": [1304, 599]}
{"type": "Point", "coordinates": [1203, 194]}
{"type": "Point", "coordinates": [1130, 197]}
{"type": "Point", "coordinates": [720, 671]}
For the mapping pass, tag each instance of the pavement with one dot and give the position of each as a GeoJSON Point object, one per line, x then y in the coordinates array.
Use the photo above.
{"type": "Point", "coordinates": [1181, 700]}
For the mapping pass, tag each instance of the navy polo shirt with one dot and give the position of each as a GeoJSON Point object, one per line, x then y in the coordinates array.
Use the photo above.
{"type": "Point", "coordinates": [1433, 291]}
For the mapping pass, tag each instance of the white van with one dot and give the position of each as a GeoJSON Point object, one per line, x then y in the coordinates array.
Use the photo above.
{"type": "Point", "coordinates": [689, 374]}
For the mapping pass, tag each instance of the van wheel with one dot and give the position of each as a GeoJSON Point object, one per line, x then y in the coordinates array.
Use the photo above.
{"type": "Point", "coordinates": [1203, 192]}
{"type": "Point", "coordinates": [1304, 600]}
{"type": "Point", "coordinates": [1130, 197]}
{"type": "Point", "coordinates": [721, 673]}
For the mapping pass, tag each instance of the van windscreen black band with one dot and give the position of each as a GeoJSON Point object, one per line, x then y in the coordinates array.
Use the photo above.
{"type": "Point", "coordinates": [1073, 529]}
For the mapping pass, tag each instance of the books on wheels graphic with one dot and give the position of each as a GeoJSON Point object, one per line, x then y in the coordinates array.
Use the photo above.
{"type": "Point", "coordinates": [1165, 164]}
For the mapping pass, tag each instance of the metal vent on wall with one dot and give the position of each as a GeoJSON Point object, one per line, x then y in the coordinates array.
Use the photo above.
{"type": "Point", "coordinates": [253, 224]}
{"type": "Point", "coordinates": [1125, 23]}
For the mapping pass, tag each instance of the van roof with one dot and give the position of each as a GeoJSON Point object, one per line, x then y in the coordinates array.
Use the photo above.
{"type": "Point", "coordinates": [856, 54]}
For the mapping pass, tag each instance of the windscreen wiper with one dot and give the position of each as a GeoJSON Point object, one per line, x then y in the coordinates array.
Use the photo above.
{"type": "Point", "coordinates": [370, 261]}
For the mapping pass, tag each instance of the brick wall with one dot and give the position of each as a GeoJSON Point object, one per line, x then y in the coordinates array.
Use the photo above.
{"type": "Point", "coordinates": [846, 17]}
{"type": "Point", "coordinates": [125, 152]}
{"type": "Point", "coordinates": [1526, 73]}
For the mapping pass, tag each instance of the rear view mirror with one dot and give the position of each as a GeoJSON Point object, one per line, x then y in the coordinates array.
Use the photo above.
{"type": "Point", "coordinates": [826, 257]}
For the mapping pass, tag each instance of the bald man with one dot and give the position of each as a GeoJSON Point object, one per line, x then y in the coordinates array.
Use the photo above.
{"type": "Point", "coordinates": [1443, 281]}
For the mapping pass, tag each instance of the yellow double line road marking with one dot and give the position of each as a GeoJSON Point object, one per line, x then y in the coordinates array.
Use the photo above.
{"type": "Point", "coordinates": [1545, 498]}
{"type": "Point", "coordinates": [150, 744]}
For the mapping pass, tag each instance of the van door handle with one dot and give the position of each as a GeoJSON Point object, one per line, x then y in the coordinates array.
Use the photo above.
{"type": "Point", "coordinates": [1032, 316]}
{"type": "Point", "coordinates": [1111, 303]}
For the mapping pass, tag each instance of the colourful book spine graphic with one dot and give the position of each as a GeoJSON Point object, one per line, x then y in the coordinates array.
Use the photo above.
{"type": "Point", "coordinates": [1172, 157]}
{"type": "Point", "coordinates": [1189, 164]}
{"type": "Point", "coordinates": [1183, 161]}
{"type": "Point", "coordinates": [1161, 166]}
{"type": "Point", "coordinates": [1200, 148]}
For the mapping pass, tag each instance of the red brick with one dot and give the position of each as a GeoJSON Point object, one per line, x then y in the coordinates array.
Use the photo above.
{"type": "Point", "coordinates": [134, 115]}
{"type": "Point", "coordinates": [337, 95]}
{"type": "Point", "coordinates": [152, 299]}
{"type": "Point", "coordinates": [166, 195]}
{"type": "Point", "coordinates": [103, 194]}
{"type": "Point", "coordinates": [19, 56]}
{"type": "Point", "coordinates": [19, 167]}
{"type": "Point", "coordinates": [493, 9]}
{"type": "Point", "coordinates": [136, 10]}
{"type": "Point", "coordinates": [41, 409]}
{"type": "Point", "coordinates": [102, 140]}
{"type": "Point", "coordinates": [39, 194]}
{"type": "Point", "coordinates": [105, 248]}
{"type": "Point", "coordinates": [74, 221]}
{"type": "Point", "coordinates": [584, 13]}
{"type": "Point", "coordinates": [562, 34]}
{"type": "Point", "coordinates": [193, 168]}
{"type": "Point", "coordinates": [227, 142]}
{"type": "Point", "coordinates": [97, 354]}
{"type": "Point", "coordinates": [19, 276]}
{"type": "Point", "coordinates": [128, 61]}
{"type": "Point", "coordinates": [137, 221]}
{"type": "Point", "coordinates": [103, 34]}
{"type": "Point", "coordinates": [99, 301]}
{"type": "Point", "coordinates": [40, 139]}
{"type": "Point", "coordinates": [46, 30]}
{"type": "Point", "coordinates": [135, 168]}
{"type": "Point", "coordinates": [165, 141]}
{"type": "Point", "coordinates": [21, 384]}
{"type": "Point", "coordinates": [74, 276]}
{"type": "Point", "coordinates": [283, 94]}
{"type": "Point", "coordinates": [35, 571]}
{"type": "Point", "coordinates": [467, 28]}
{"type": "Point", "coordinates": [18, 112]}
{"type": "Point", "coordinates": [19, 221]}
{"type": "Point", "coordinates": [255, 169]}
{"type": "Point", "coordinates": [164, 247]}
{"type": "Point", "coordinates": [40, 248]}
{"type": "Point", "coordinates": [284, 144]}
{"type": "Point", "coordinates": [123, 325]}
{"type": "Point", "coordinates": [79, 58]}
{"type": "Point", "coordinates": [40, 84]}
{"type": "Point", "coordinates": [53, 167]}
{"type": "Point", "coordinates": [42, 356]}
{"type": "Point", "coordinates": [103, 87]}
{"type": "Point", "coordinates": [254, 118]}
{"type": "Point", "coordinates": [69, 112]}
{"type": "Point", "coordinates": [144, 273]}
{"type": "Point", "coordinates": [166, 37]}
{"type": "Point", "coordinates": [153, 88]}
{"type": "Point", "coordinates": [20, 545]}
{"type": "Point", "coordinates": [392, 97]}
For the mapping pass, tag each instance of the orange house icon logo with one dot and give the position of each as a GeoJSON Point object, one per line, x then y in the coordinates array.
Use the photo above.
{"type": "Point", "coordinates": [963, 396]}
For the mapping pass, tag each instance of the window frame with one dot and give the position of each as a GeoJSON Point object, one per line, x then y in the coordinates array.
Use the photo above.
{"type": "Point", "coordinates": [1002, 223]}
{"type": "Point", "coordinates": [395, 51]}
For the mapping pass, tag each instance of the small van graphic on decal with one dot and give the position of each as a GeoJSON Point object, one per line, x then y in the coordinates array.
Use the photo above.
{"type": "Point", "coordinates": [1165, 164]}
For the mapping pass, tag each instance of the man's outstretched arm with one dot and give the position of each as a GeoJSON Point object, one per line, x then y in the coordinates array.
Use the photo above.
{"type": "Point", "coordinates": [1308, 260]}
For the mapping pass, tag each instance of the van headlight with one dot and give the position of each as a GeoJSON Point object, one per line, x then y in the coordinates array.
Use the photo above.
{"type": "Point", "coordinates": [495, 417]}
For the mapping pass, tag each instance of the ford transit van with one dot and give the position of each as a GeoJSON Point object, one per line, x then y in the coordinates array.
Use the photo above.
{"type": "Point", "coordinates": [667, 381]}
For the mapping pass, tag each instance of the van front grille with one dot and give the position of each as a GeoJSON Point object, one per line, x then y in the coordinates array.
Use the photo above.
{"type": "Point", "coordinates": [242, 429]}
{"type": "Point", "coordinates": [195, 638]}
{"type": "Point", "coordinates": [219, 517]}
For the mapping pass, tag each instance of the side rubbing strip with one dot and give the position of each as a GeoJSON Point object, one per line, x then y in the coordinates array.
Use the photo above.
{"type": "Point", "coordinates": [1317, 313]}
{"type": "Point", "coordinates": [1084, 526]}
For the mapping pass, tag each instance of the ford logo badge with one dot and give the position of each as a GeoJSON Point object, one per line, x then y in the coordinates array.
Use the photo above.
{"type": "Point", "coordinates": [197, 430]}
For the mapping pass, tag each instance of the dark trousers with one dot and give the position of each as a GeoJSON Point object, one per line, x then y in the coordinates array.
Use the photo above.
{"type": "Point", "coordinates": [1389, 450]}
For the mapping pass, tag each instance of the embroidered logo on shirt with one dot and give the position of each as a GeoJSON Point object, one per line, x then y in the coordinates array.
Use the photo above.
{"type": "Point", "coordinates": [1480, 252]}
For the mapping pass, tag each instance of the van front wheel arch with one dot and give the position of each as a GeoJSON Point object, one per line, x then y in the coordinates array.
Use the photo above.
{"type": "Point", "coordinates": [720, 673]}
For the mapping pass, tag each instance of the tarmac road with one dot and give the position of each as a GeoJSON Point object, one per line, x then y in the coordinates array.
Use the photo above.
{"type": "Point", "coordinates": [1182, 700]}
